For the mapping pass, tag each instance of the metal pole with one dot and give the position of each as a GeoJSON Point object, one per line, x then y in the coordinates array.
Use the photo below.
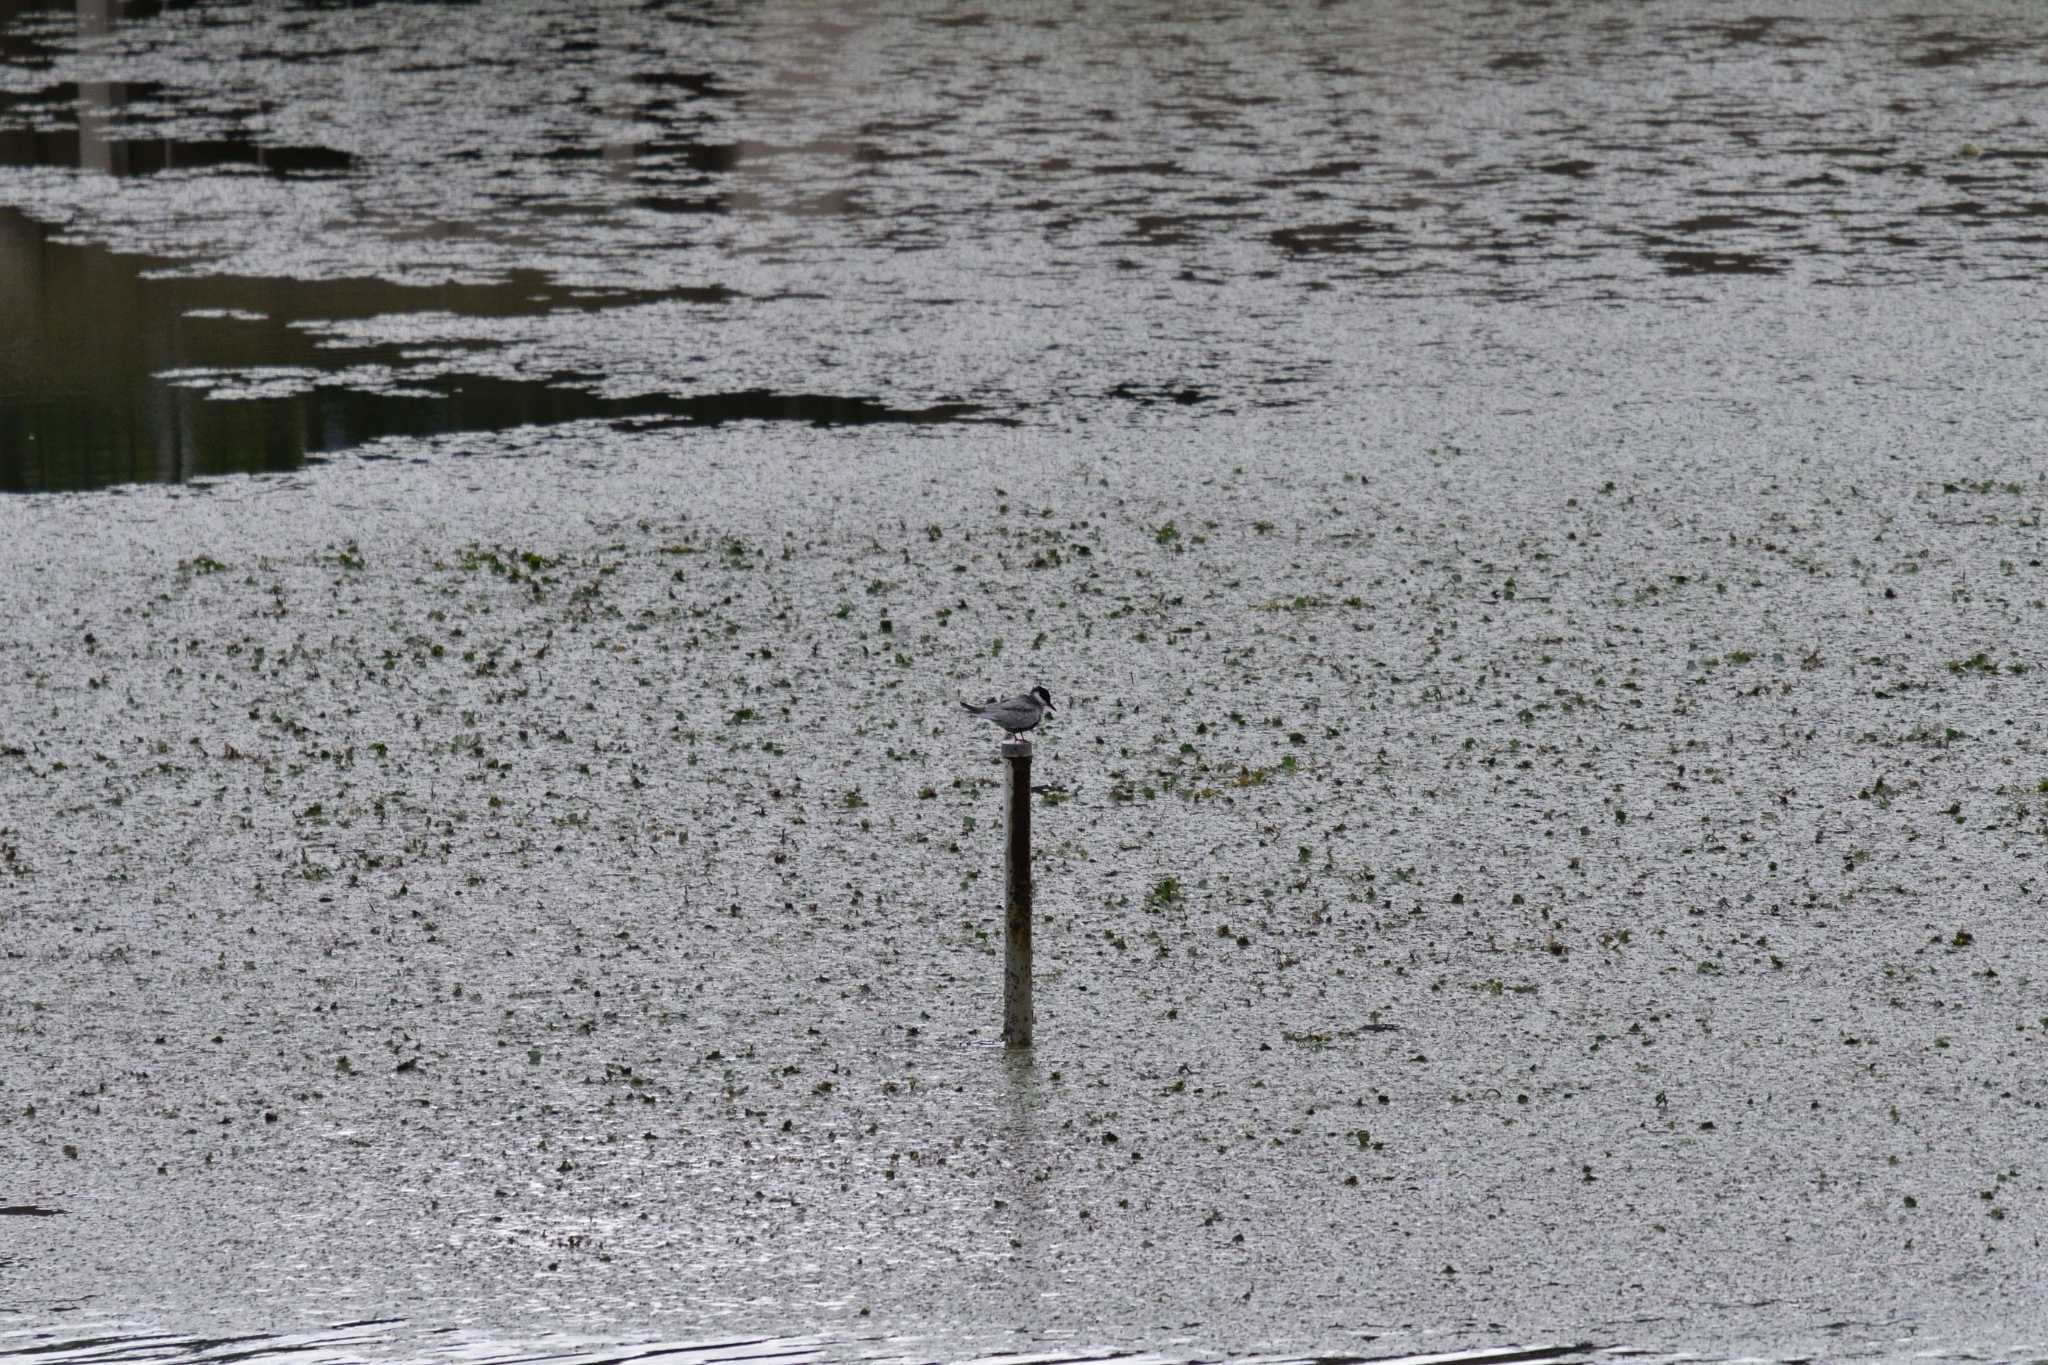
{"type": "Point", "coordinates": [1017, 899]}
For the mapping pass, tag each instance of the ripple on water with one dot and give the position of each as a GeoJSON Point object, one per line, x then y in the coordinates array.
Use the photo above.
{"type": "Point", "coordinates": [389, 1340]}
{"type": "Point", "coordinates": [938, 215]}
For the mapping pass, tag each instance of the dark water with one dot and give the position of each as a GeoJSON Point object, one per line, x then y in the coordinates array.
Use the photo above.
{"type": "Point", "coordinates": [111, 367]}
{"type": "Point", "coordinates": [390, 1340]}
{"type": "Point", "coordinates": [896, 212]}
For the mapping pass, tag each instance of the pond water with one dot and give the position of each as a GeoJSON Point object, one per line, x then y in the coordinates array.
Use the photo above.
{"type": "Point", "coordinates": [127, 372]}
{"type": "Point", "coordinates": [353, 1343]}
{"type": "Point", "coordinates": [1531, 514]}
{"type": "Point", "coordinates": [241, 235]}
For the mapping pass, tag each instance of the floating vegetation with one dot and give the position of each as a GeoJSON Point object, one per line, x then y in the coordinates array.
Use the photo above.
{"type": "Point", "coordinates": [622, 830]}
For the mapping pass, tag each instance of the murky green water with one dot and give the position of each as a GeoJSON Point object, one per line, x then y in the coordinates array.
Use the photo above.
{"type": "Point", "coordinates": [1533, 518]}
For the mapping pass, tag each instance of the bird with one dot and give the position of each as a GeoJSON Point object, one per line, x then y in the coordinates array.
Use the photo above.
{"type": "Point", "coordinates": [1017, 714]}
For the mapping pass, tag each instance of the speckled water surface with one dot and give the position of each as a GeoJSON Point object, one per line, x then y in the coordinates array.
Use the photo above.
{"type": "Point", "coordinates": [558, 885]}
{"type": "Point", "coordinates": [1548, 850]}
{"type": "Point", "coordinates": [1053, 213]}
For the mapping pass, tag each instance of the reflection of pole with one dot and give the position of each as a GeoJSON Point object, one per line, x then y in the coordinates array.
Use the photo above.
{"type": "Point", "coordinates": [97, 17]}
{"type": "Point", "coordinates": [1017, 899]}
{"type": "Point", "coordinates": [1030, 1275]}
{"type": "Point", "coordinates": [98, 102]}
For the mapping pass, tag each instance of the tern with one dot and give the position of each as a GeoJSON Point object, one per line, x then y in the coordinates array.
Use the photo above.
{"type": "Point", "coordinates": [1019, 713]}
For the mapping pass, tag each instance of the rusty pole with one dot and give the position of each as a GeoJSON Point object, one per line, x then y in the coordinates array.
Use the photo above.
{"type": "Point", "coordinates": [1017, 898]}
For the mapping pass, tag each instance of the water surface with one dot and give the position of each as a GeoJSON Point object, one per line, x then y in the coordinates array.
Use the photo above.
{"type": "Point", "coordinates": [1059, 214]}
{"type": "Point", "coordinates": [1532, 515]}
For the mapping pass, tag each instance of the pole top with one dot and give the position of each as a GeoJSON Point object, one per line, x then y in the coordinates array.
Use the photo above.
{"type": "Point", "coordinates": [1016, 748]}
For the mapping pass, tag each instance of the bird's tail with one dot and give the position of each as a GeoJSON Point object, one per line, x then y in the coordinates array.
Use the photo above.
{"type": "Point", "coordinates": [972, 709]}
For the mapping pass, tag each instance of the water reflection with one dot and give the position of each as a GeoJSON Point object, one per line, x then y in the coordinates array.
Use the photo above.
{"type": "Point", "coordinates": [387, 1339]}
{"type": "Point", "coordinates": [1029, 1274]}
{"type": "Point", "coordinates": [92, 146]}
{"type": "Point", "coordinates": [1167, 184]}
{"type": "Point", "coordinates": [112, 371]}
